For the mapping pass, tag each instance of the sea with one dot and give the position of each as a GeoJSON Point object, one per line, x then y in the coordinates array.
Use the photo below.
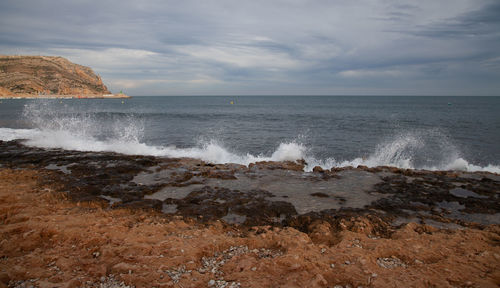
{"type": "Point", "coordinates": [433, 133]}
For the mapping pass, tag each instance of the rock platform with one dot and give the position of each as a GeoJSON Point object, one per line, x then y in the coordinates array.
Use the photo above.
{"type": "Point", "coordinates": [87, 219]}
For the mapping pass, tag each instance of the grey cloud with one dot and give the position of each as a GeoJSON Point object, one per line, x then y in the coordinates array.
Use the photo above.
{"type": "Point", "coordinates": [248, 47]}
{"type": "Point", "coordinates": [484, 21]}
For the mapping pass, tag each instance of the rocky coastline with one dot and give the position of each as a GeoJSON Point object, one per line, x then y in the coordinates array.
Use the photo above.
{"type": "Point", "coordinates": [84, 219]}
{"type": "Point", "coordinates": [69, 96]}
{"type": "Point", "coordinates": [49, 77]}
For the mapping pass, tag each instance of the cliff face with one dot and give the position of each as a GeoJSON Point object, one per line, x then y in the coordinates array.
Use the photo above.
{"type": "Point", "coordinates": [47, 75]}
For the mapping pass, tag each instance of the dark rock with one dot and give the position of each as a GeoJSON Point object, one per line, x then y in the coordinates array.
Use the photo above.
{"type": "Point", "coordinates": [318, 169]}
{"type": "Point", "coordinates": [321, 195]}
{"type": "Point", "coordinates": [141, 204]}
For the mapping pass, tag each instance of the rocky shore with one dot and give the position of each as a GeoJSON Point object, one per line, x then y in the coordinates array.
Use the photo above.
{"type": "Point", "coordinates": [86, 219]}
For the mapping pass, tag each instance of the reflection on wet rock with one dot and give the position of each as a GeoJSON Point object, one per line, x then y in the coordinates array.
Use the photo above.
{"type": "Point", "coordinates": [266, 193]}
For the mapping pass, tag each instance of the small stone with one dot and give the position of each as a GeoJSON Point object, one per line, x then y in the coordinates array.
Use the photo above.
{"type": "Point", "coordinates": [103, 279]}
{"type": "Point", "coordinates": [211, 282]}
{"type": "Point", "coordinates": [390, 263]}
{"type": "Point", "coordinates": [347, 262]}
{"type": "Point", "coordinates": [332, 265]}
{"type": "Point", "coordinates": [254, 268]}
{"type": "Point", "coordinates": [323, 250]}
{"type": "Point", "coordinates": [374, 275]}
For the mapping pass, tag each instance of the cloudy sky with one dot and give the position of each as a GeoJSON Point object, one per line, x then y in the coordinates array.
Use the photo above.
{"type": "Point", "coordinates": [268, 47]}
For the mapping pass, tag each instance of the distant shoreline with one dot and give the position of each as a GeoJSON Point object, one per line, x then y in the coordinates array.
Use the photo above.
{"type": "Point", "coordinates": [69, 96]}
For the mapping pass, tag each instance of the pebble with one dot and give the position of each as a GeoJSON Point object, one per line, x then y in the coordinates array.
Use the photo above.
{"type": "Point", "coordinates": [214, 263]}
{"type": "Point", "coordinates": [211, 282]}
{"type": "Point", "coordinates": [108, 282]}
{"type": "Point", "coordinates": [176, 273]}
{"type": "Point", "coordinates": [332, 265]}
{"type": "Point", "coordinates": [390, 263]}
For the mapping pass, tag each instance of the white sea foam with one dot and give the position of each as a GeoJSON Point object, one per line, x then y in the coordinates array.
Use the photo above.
{"type": "Point", "coordinates": [80, 131]}
{"type": "Point", "coordinates": [393, 154]}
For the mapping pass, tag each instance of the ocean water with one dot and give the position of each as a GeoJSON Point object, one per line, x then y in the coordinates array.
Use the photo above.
{"type": "Point", "coordinates": [437, 133]}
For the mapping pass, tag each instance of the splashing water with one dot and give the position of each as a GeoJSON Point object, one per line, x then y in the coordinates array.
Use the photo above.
{"type": "Point", "coordinates": [71, 129]}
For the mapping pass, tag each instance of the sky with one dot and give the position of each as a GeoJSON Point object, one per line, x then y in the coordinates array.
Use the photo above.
{"type": "Point", "coordinates": [267, 47]}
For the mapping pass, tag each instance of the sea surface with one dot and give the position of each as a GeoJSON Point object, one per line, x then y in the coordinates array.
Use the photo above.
{"type": "Point", "coordinates": [436, 133]}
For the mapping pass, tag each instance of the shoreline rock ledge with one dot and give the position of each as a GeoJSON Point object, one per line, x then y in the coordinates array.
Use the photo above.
{"type": "Point", "coordinates": [49, 77]}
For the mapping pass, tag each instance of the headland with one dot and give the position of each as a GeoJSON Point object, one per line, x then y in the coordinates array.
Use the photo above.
{"type": "Point", "coordinates": [49, 77]}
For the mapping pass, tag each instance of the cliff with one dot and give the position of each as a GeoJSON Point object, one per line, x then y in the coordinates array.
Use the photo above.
{"type": "Point", "coordinates": [34, 75]}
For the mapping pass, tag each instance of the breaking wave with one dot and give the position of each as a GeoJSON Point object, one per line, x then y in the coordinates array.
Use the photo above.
{"type": "Point", "coordinates": [81, 131]}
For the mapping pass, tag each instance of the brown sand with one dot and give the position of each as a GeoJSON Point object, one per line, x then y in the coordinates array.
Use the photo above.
{"type": "Point", "coordinates": [48, 241]}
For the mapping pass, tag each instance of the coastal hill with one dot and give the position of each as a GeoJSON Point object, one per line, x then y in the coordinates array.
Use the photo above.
{"type": "Point", "coordinates": [48, 76]}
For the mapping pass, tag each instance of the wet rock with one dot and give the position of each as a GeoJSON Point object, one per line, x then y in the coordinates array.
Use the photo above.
{"type": "Point", "coordinates": [142, 204]}
{"type": "Point", "coordinates": [319, 194]}
{"type": "Point", "coordinates": [406, 194]}
{"type": "Point", "coordinates": [215, 203]}
{"type": "Point", "coordinates": [318, 169]}
{"type": "Point", "coordinates": [285, 165]}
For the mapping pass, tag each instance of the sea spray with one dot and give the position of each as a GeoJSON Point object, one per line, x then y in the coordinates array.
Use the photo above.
{"type": "Point", "coordinates": [63, 126]}
{"type": "Point", "coordinates": [428, 149]}
{"type": "Point", "coordinates": [56, 125]}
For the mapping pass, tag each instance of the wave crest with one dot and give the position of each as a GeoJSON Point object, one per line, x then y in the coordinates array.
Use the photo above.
{"type": "Point", "coordinates": [72, 130]}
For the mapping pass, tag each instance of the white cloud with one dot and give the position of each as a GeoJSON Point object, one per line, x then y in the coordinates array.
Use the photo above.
{"type": "Point", "coordinates": [107, 58]}
{"type": "Point", "coordinates": [132, 83]}
{"type": "Point", "coordinates": [363, 73]}
{"type": "Point", "coordinates": [241, 56]}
